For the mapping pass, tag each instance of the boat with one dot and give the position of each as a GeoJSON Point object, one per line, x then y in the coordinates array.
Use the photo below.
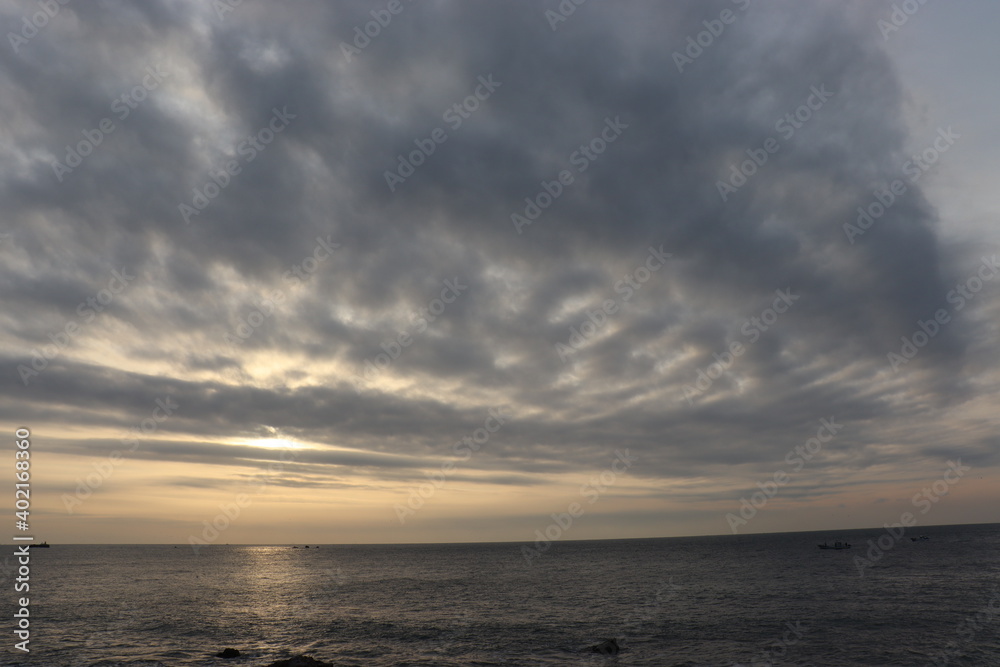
{"type": "Point", "coordinates": [836, 546]}
{"type": "Point", "coordinates": [43, 545]}
{"type": "Point", "coordinates": [920, 539]}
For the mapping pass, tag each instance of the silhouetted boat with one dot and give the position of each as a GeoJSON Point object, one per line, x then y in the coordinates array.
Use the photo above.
{"type": "Point", "coordinates": [921, 538]}
{"type": "Point", "coordinates": [836, 545]}
{"type": "Point", "coordinates": [43, 545]}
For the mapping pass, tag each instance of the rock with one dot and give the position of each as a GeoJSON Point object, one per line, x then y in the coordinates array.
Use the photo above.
{"type": "Point", "coordinates": [607, 647]}
{"type": "Point", "coordinates": [300, 661]}
{"type": "Point", "coordinates": [228, 653]}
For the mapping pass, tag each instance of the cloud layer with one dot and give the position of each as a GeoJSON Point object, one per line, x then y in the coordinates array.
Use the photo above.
{"type": "Point", "coordinates": [366, 249]}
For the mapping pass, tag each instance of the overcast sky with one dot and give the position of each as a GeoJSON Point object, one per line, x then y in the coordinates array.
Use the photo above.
{"type": "Point", "coordinates": [423, 271]}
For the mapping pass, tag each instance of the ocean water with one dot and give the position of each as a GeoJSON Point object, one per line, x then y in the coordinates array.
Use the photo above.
{"type": "Point", "coordinates": [749, 600]}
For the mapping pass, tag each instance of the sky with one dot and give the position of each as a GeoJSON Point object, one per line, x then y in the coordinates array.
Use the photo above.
{"type": "Point", "coordinates": [398, 272]}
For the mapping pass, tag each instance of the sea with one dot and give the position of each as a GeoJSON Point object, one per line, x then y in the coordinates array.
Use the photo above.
{"type": "Point", "coordinates": [750, 600]}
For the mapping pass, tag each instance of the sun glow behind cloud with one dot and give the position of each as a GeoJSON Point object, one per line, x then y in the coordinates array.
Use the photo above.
{"type": "Point", "coordinates": [274, 443]}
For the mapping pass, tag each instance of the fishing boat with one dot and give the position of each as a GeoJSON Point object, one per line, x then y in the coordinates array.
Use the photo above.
{"type": "Point", "coordinates": [836, 546]}
{"type": "Point", "coordinates": [43, 545]}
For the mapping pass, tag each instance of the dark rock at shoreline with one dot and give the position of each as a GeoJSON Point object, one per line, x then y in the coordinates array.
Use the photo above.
{"type": "Point", "coordinates": [300, 661]}
{"type": "Point", "coordinates": [607, 647]}
{"type": "Point", "coordinates": [228, 653]}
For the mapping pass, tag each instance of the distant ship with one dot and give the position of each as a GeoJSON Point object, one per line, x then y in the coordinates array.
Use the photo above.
{"type": "Point", "coordinates": [43, 545]}
{"type": "Point", "coordinates": [836, 545]}
{"type": "Point", "coordinates": [921, 538]}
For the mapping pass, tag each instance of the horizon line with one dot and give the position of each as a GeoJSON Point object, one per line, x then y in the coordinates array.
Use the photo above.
{"type": "Point", "coordinates": [599, 539]}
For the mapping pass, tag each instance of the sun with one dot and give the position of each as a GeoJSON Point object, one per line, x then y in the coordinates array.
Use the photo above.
{"type": "Point", "coordinates": [274, 443]}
